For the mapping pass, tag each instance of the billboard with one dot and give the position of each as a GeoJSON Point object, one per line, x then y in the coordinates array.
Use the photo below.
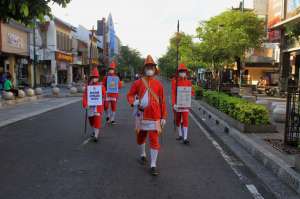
{"type": "Point", "coordinates": [274, 17]}
{"type": "Point", "coordinates": [293, 8]}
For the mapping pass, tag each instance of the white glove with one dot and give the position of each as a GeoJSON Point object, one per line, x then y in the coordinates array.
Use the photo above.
{"type": "Point", "coordinates": [175, 107]}
{"type": "Point", "coordinates": [162, 122]}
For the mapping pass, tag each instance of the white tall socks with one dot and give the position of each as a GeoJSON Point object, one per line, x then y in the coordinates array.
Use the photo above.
{"type": "Point", "coordinates": [154, 154]}
{"type": "Point", "coordinates": [185, 133]}
{"type": "Point", "coordinates": [112, 116]}
{"type": "Point", "coordinates": [143, 150]}
{"type": "Point", "coordinates": [179, 131]}
{"type": "Point", "coordinates": [96, 131]}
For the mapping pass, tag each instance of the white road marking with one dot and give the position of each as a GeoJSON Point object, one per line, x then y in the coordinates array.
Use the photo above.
{"type": "Point", "coordinates": [252, 189]}
{"type": "Point", "coordinates": [86, 141]}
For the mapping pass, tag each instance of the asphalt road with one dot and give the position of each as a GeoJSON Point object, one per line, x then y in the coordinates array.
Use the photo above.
{"type": "Point", "coordinates": [45, 157]}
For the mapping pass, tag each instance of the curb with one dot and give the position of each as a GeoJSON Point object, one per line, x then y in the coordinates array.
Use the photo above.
{"type": "Point", "coordinates": [36, 113]}
{"type": "Point", "coordinates": [278, 167]}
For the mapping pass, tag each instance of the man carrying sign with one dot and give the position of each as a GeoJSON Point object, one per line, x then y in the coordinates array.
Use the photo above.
{"type": "Point", "coordinates": [92, 100]}
{"type": "Point", "coordinates": [112, 85]}
{"type": "Point", "coordinates": [181, 101]}
{"type": "Point", "coordinates": [151, 113]}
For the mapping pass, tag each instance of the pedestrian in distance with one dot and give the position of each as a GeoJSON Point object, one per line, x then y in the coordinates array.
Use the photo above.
{"type": "Point", "coordinates": [112, 85]}
{"type": "Point", "coordinates": [8, 85]}
{"type": "Point", "coordinates": [94, 112]}
{"type": "Point", "coordinates": [151, 112]}
{"type": "Point", "coordinates": [182, 91]}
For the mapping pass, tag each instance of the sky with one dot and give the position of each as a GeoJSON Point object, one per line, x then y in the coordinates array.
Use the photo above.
{"type": "Point", "coordinates": [142, 24]}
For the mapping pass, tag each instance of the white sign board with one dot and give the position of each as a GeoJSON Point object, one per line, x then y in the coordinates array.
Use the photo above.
{"type": "Point", "coordinates": [184, 96]}
{"type": "Point", "coordinates": [94, 95]}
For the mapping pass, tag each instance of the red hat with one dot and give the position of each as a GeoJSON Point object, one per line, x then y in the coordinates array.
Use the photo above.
{"type": "Point", "coordinates": [95, 72]}
{"type": "Point", "coordinates": [113, 65]}
{"type": "Point", "coordinates": [149, 61]}
{"type": "Point", "coordinates": [182, 67]}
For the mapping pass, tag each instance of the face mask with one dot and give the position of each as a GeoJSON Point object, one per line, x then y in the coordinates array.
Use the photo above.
{"type": "Point", "coordinates": [149, 72]}
{"type": "Point", "coordinates": [95, 80]}
{"type": "Point", "coordinates": [182, 74]}
{"type": "Point", "coordinates": [111, 71]}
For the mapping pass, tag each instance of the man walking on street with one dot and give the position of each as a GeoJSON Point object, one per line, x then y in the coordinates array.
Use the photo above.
{"type": "Point", "coordinates": [112, 85]}
{"type": "Point", "coordinates": [151, 111]}
{"type": "Point", "coordinates": [94, 111]}
{"type": "Point", "coordinates": [181, 101]}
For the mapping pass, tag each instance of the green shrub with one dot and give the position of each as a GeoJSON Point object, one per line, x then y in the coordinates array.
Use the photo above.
{"type": "Point", "coordinates": [198, 92]}
{"type": "Point", "coordinates": [237, 108]}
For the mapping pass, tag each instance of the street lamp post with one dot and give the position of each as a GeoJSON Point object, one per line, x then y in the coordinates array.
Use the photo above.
{"type": "Point", "coordinates": [34, 53]}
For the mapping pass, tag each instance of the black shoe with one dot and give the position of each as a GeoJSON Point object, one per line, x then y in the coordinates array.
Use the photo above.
{"type": "Point", "coordinates": [186, 142]}
{"type": "Point", "coordinates": [179, 138]}
{"type": "Point", "coordinates": [95, 139]}
{"type": "Point", "coordinates": [113, 122]}
{"type": "Point", "coordinates": [107, 119]}
{"type": "Point", "coordinates": [92, 135]}
{"type": "Point", "coordinates": [154, 171]}
{"type": "Point", "coordinates": [143, 160]}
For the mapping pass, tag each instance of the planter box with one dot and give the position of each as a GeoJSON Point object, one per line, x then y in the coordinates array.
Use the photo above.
{"type": "Point", "coordinates": [245, 128]}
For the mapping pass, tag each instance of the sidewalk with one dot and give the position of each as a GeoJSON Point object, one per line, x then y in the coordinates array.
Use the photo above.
{"type": "Point", "coordinates": [15, 113]}
{"type": "Point", "coordinates": [278, 164]}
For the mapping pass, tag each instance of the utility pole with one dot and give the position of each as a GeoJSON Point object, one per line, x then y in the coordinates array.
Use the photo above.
{"type": "Point", "coordinates": [34, 53]}
{"type": "Point", "coordinates": [91, 48]}
{"type": "Point", "coordinates": [243, 5]}
{"type": "Point", "coordinates": [177, 45]}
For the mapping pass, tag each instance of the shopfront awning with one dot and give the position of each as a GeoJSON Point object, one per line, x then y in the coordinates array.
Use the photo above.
{"type": "Point", "coordinates": [295, 18]}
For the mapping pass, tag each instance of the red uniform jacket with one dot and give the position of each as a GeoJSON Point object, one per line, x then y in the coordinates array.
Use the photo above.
{"type": "Point", "coordinates": [104, 82]}
{"type": "Point", "coordinates": [155, 110]}
{"type": "Point", "coordinates": [85, 100]}
{"type": "Point", "coordinates": [180, 82]}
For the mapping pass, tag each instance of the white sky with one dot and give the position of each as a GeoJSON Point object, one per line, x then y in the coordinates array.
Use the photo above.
{"type": "Point", "coordinates": [143, 24]}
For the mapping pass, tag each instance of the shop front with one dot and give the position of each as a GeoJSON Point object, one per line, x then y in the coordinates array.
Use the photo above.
{"type": "Point", "coordinates": [14, 53]}
{"type": "Point", "coordinates": [64, 68]}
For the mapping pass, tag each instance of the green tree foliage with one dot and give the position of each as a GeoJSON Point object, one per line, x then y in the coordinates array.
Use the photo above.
{"type": "Point", "coordinates": [25, 11]}
{"type": "Point", "coordinates": [226, 37]}
{"type": "Point", "coordinates": [129, 59]}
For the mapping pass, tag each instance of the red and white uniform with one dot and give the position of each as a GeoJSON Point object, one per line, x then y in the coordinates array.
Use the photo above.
{"type": "Point", "coordinates": [182, 113]}
{"type": "Point", "coordinates": [94, 112]}
{"type": "Point", "coordinates": [153, 111]}
{"type": "Point", "coordinates": [111, 99]}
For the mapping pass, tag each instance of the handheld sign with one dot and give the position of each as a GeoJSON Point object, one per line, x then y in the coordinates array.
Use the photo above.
{"type": "Point", "coordinates": [184, 96]}
{"type": "Point", "coordinates": [94, 95]}
{"type": "Point", "coordinates": [112, 84]}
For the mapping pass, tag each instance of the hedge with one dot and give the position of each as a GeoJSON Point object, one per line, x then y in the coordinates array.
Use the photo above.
{"type": "Point", "coordinates": [239, 109]}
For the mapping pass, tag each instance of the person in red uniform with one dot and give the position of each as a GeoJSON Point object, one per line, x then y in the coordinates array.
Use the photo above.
{"type": "Point", "coordinates": [94, 112]}
{"type": "Point", "coordinates": [112, 94]}
{"type": "Point", "coordinates": [151, 112]}
{"type": "Point", "coordinates": [181, 113]}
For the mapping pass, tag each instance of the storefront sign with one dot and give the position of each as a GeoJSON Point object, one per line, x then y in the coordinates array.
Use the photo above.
{"type": "Point", "coordinates": [95, 61]}
{"type": "Point", "coordinates": [274, 17]}
{"type": "Point", "coordinates": [14, 40]}
{"type": "Point", "coordinates": [113, 84]}
{"type": "Point", "coordinates": [94, 95]}
{"type": "Point", "coordinates": [63, 57]}
{"type": "Point", "coordinates": [293, 8]}
{"type": "Point", "coordinates": [184, 97]}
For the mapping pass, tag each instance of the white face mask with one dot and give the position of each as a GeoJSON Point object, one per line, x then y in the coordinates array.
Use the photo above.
{"type": "Point", "coordinates": [111, 71]}
{"type": "Point", "coordinates": [149, 72]}
{"type": "Point", "coordinates": [95, 80]}
{"type": "Point", "coordinates": [182, 74]}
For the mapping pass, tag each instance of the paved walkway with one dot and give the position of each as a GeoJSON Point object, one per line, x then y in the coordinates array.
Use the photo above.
{"type": "Point", "coordinates": [11, 114]}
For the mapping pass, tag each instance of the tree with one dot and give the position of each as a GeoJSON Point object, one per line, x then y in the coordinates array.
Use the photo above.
{"type": "Point", "coordinates": [25, 11]}
{"type": "Point", "coordinates": [225, 38]}
{"type": "Point", "coordinates": [129, 60]}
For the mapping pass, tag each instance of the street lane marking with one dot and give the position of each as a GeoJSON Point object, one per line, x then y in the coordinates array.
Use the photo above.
{"type": "Point", "coordinates": [252, 189]}
{"type": "Point", "coordinates": [86, 141]}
